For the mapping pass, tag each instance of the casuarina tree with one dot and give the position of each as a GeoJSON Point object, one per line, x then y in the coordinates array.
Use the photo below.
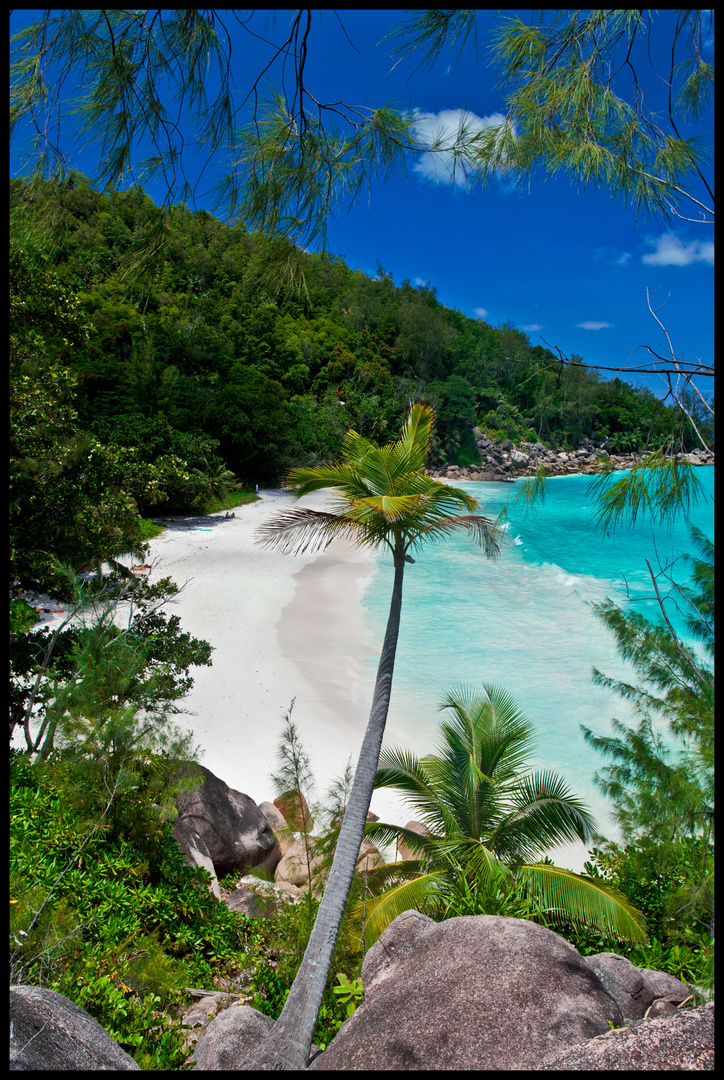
{"type": "Point", "coordinates": [381, 496]}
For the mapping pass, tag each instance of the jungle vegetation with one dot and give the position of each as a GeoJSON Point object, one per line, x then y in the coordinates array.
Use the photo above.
{"type": "Point", "coordinates": [134, 399]}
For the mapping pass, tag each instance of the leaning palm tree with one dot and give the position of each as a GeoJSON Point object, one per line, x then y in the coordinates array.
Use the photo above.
{"type": "Point", "coordinates": [488, 818]}
{"type": "Point", "coordinates": [382, 497]}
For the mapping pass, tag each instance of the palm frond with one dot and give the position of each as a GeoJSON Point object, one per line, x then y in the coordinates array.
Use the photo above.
{"type": "Point", "coordinates": [416, 436]}
{"type": "Point", "coordinates": [483, 531]}
{"type": "Point", "coordinates": [380, 911]}
{"type": "Point", "coordinates": [587, 902]}
{"type": "Point", "coordinates": [542, 813]}
{"type": "Point", "coordinates": [296, 530]}
{"type": "Point", "coordinates": [381, 833]}
{"type": "Point", "coordinates": [344, 477]}
{"type": "Point", "coordinates": [492, 722]}
{"type": "Point", "coordinates": [404, 772]}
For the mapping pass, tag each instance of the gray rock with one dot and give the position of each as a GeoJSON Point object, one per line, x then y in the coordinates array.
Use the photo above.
{"type": "Point", "coordinates": [230, 1038]}
{"type": "Point", "coordinates": [236, 833]}
{"type": "Point", "coordinates": [478, 992]}
{"type": "Point", "coordinates": [623, 982]}
{"type": "Point", "coordinates": [684, 1041]}
{"type": "Point", "coordinates": [274, 816]}
{"type": "Point", "coordinates": [251, 904]}
{"type": "Point", "coordinates": [663, 985]}
{"type": "Point", "coordinates": [49, 1032]}
{"type": "Point", "coordinates": [405, 852]}
{"type": "Point", "coordinates": [659, 1007]}
{"type": "Point", "coordinates": [196, 852]}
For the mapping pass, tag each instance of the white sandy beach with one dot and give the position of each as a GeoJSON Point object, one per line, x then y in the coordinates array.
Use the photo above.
{"type": "Point", "coordinates": [283, 627]}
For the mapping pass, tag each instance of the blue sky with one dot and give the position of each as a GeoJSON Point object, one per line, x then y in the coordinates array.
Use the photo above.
{"type": "Point", "coordinates": [569, 268]}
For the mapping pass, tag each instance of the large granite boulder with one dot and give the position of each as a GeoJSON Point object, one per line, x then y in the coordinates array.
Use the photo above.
{"type": "Point", "coordinates": [236, 833]}
{"type": "Point", "coordinates": [296, 866]}
{"type": "Point", "coordinates": [196, 852]}
{"type": "Point", "coordinates": [284, 835]}
{"type": "Point", "coordinates": [477, 992]}
{"type": "Point", "coordinates": [49, 1032]}
{"type": "Point", "coordinates": [293, 807]}
{"type": "Point", "coordinates": [672, 1043]}
{"type": "Point", "coordinates": [624, 983]}
{"type": "Point", "coordinates": [231, 1038]}
{"type": "Point", "coordinates": [665, 986]}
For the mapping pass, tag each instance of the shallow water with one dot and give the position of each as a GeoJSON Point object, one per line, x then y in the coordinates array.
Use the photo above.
{"type": "Point", "coordinates": [524, 621]}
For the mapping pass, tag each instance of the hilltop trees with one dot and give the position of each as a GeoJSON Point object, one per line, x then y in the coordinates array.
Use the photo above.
{"type": "Point", "coordinates": [265, 381]}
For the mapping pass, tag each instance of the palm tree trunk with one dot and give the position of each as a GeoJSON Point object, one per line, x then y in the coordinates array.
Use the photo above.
{"type": "Point", "coordinates": [288, 1044]}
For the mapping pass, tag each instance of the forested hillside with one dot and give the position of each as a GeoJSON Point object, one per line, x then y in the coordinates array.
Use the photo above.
{"type": "Point", "coordinates": [129, 394]}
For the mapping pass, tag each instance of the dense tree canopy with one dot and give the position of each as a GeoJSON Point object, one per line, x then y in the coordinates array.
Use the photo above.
{"type": "Point", "coordinates": [130, 397]}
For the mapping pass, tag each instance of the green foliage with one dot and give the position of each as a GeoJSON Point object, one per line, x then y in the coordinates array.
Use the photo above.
{"type": "Point", "coordinates": [488, 823]}
{"type": "Point", "coordinates": [350, 994]}
{"type": "Point", "coordinates": [565, 114]}
{"type": "Point", "coordinates": [653, 488]}
{"type": "Point", "coordinates": [178, 379]}
{"type": "Point", "coordinates": [55, 676]}
{"type": "Point", "coordinates": [277, 953]}
{"type": "Point", "coordinates": [22, 616]}
{"type": "Point", "coordinates": [672, 885]}
{"type": "Point", "coordinates": [149, 529]}
{"type": "Point", "coordinates": [125, 924]}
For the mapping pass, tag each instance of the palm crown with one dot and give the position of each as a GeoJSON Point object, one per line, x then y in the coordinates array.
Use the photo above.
{"type": "Point", "coordinates": [483, 812]}
{"type": "Point", "coordinates": [381, 496]}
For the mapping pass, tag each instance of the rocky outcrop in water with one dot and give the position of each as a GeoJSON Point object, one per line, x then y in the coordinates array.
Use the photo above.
{"type": "Point", "coordinates": [504, 461]}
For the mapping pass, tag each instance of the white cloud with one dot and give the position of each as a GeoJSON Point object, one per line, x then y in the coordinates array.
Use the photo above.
{"type": "Point", "coordinates": [446, 128]}
{"type": "Point", "coordinates": [593, 325]}
{"type": "Point", "coordinates": [612, 256]}
{"type": "Point", "coordinates": [531, 328]}
{"type": "Point", "coordinates": [669, 250]}
{"type": "Point", "coordinates": [480, 313]}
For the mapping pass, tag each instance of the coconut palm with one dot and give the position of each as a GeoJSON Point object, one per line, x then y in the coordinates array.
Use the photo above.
{"type": "Point", "coordinates": [381, 497]}
{"type": "Point", "coordinates": [489, 818]}
{"type": "Point", "coordinates": [219, 478]}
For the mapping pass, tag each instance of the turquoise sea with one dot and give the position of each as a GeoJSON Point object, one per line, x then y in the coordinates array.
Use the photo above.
{"type": "Point", "coordinates": [524, 621]}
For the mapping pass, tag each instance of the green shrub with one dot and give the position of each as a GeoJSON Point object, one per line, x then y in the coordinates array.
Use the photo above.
{"type": "Point", "coordinates": [658, 880]}
{"type": "Point", "coordinates": [22, 616]}
{"type": "Point", "coordinates": [125, 925]}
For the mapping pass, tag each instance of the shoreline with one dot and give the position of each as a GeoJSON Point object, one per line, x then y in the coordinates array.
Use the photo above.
{"type": "Point", "coordinates": [267, 615]}
{"type": "Point", "coordinates": [283, 628]}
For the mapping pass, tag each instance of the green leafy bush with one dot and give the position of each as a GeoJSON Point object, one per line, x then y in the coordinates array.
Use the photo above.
{"type": "Point", "coordinates": [658, 880]}
{"type": "Point", "coordinates": [118, 927]}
